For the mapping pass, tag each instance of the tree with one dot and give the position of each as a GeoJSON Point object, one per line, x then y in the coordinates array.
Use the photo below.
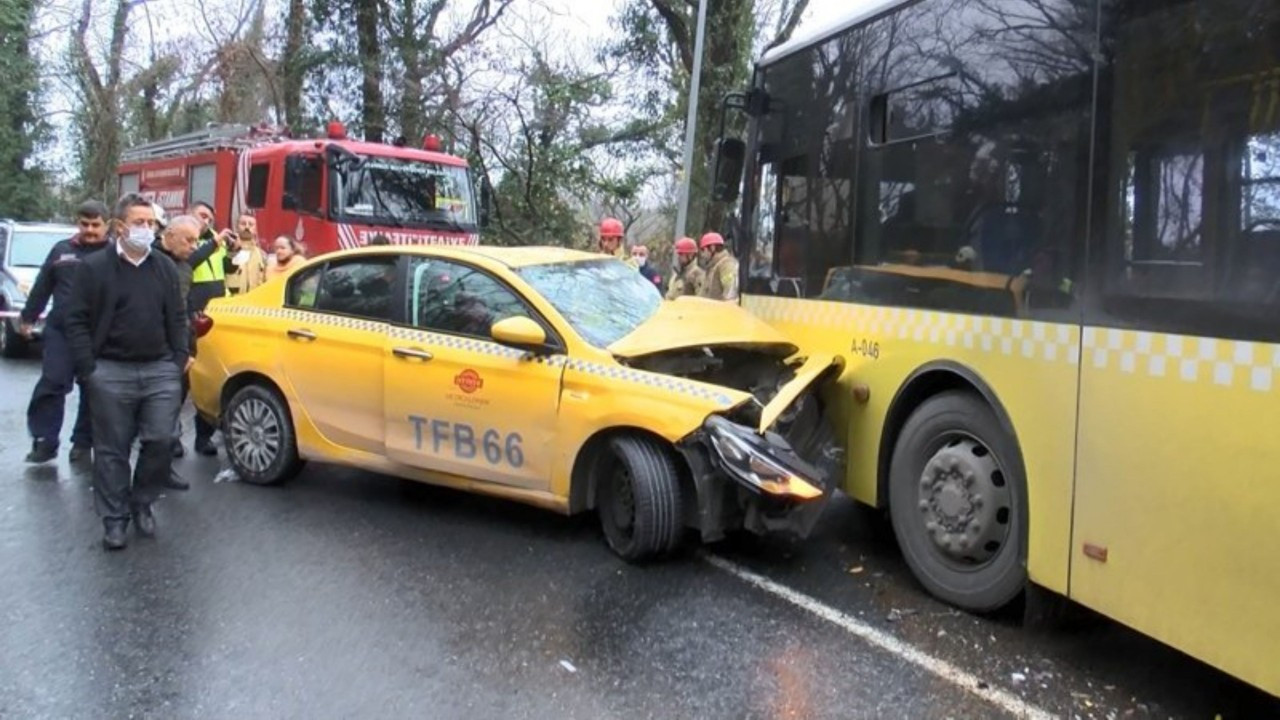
{"type": "Point", "coordinates": [24, 193]}
{"type": "Point", "coordinates": [98, 113]}
{"type": "Point", "coordinates": [660, 35]}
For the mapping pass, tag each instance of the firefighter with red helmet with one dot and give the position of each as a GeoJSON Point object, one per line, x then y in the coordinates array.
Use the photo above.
{"type": "Point", "coordinates": [611, 240]}
{"type": "Point", "coordinates": [722, 269]}
{"type": "Point", "coordinates": [687, 277]}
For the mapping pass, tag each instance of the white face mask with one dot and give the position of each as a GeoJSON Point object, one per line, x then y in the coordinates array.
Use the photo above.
{"type": "Point", "coordinates": [640, 260]}
{"type": "Point", "coordinates": [138, 239]}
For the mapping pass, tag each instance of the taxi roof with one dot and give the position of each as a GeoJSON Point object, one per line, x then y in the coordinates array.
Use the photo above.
{"type": "Point", "coordinates": [513, 257]}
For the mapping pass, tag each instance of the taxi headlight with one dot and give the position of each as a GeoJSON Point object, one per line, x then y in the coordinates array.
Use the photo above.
{"type": "Point", "coordinates": [753, 461]}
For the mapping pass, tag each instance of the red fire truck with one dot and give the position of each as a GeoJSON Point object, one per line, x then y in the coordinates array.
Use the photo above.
{"type": "Point", "coordinates": [331, 192]}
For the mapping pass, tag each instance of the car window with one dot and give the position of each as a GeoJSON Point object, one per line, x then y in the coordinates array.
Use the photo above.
{"type": "Point", "coordinates": [361, 287]}
{"type": "Point", "coordinates": [454, 298]}
{"type": "Point", "coordinates": [302, 288]}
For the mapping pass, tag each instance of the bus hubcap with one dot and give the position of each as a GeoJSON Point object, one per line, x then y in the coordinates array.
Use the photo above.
{"type": "Point", "coordinates": [965, 502]}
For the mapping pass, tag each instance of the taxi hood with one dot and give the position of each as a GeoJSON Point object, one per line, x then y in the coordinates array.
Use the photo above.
{"type": "Point", "coordinates": [693, 322]}
{"type": "Point", "coordinates": [720, 343]}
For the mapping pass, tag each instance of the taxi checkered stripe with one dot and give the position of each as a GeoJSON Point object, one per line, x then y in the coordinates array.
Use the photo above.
{"type": "Point", "coordinates": [638, 377]}
{"type": "Point", "coordinates": [1224, 363]}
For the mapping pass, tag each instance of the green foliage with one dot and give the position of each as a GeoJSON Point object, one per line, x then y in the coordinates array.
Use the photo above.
{"type": "Point", "coordinates": [24, 187]}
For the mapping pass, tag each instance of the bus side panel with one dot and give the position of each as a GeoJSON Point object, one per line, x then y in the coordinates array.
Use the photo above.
{"type": "Point", "coordinates": [1030, 366]}
{"type": "Point", "coordinates": [1177, 487]}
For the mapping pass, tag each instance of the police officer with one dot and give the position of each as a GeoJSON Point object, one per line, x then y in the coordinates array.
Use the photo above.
{"type": "Point", "coordinates": [687, 278]}
{"type": "Point", "coordinates": [611, 235]}
{"type": "Point", "coordinates": [49, 398]}
{"type": "Point", "coordinates": [208, 281]}
{"type": "Point", "coordinates": [722, 269]}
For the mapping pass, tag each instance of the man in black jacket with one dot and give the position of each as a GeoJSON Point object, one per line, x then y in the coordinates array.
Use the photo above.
{"type": "Point", "coordinates": [127, 328]}
{"type": "Point", "coordinates": [49, 398]}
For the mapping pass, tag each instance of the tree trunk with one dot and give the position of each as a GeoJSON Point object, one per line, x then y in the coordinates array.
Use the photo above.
{"type": "Point", "coordinates": [293, 66]}
{"type": "Point", "coordinates": [101, 101]}
{"type": "Point", "coordinates": [373, 110]}
{"type": "Point", "coordinates": [411, 98]}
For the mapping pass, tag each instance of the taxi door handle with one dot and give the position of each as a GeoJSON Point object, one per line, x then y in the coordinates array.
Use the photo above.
{"type": "Point", "coordinates": [411, 353]}
{"type": "Point", "coordinates": [301, 334]}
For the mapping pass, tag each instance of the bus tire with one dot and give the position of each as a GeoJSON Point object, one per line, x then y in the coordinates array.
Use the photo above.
{"type": "Point", "coordinates": [639, 500]}
{"type": "Point", "coordinates": [957, 500]}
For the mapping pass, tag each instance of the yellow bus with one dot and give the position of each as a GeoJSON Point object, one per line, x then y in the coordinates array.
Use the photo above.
{"type": "Point", "coordinates": [1045, 234]}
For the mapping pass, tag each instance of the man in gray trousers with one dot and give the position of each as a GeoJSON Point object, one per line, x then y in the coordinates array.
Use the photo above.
{"type": "Point", "coordinates": [127, 329]}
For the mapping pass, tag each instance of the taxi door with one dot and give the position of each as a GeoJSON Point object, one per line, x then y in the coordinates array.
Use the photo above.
{"type": "Point", "coordinates": [333, 347]}
{"type": "Point", "coordinates": [457, 402]}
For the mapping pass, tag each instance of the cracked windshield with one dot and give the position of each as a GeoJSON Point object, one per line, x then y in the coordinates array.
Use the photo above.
{"type": "Point", "coordinates": [603, 300]}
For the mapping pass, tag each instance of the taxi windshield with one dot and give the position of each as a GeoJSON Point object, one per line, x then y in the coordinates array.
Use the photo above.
{"type": "Point", "coordinates": [604, 300]}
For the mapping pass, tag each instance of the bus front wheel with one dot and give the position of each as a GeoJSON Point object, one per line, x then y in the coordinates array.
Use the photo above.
{"type": "Point", "coordinates": [957, 500]}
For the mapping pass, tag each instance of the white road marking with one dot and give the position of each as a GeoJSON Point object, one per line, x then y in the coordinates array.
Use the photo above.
{"type": "Point", "coordinates": [966, 681]}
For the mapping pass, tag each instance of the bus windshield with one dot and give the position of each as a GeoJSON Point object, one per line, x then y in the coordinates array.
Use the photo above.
{"type": "Point", "coordinates": [403, 192]}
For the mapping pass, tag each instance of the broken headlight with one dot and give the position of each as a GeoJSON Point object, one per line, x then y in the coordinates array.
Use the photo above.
{"type": "Point", "coordinates": [760, 464]}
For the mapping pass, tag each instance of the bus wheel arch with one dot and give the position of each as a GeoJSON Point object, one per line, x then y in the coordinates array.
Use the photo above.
{"type": "Point", "coordinates": [952, 475]}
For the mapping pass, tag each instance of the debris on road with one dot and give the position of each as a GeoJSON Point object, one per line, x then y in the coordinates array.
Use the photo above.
{"type": "Point", "coordinates": [895, 614]}
{"type": "Point", "coordinates": [568, 666]}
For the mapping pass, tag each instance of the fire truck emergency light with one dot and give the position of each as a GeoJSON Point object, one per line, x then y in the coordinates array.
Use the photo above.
{"type": "Point", "coordinates": [336, 130]}
{"type": "Point", "coordinates": [431, 142]}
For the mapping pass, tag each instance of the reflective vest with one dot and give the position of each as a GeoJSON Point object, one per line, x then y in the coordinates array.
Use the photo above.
{"type": "Point", "coordinates": [211, 270]}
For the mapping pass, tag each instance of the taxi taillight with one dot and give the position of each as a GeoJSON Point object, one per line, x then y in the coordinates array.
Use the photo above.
{"type": "Point", "coordinates": [202, 324]}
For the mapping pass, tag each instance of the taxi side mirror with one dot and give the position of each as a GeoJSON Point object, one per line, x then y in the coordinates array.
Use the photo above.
{"type": "Point", "coordinates": [519, 332]}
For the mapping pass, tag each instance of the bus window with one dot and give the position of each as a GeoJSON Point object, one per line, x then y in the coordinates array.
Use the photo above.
{"type": "Point", "coordinates": [1192, 239]}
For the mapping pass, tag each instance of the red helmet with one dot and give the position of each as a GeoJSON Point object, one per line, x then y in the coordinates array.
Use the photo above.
{"type": "Point", "coordinates": [712, 239]}
{"type": "Point", "coordinates": [611, 227]}
{"type": "Point", "coordinates": [686, 246]}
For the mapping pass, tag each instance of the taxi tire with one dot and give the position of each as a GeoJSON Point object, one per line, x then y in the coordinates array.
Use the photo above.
{"type": "Point", "coordinates": [286, 464]}
{"type": "Point", "coordinates": [1003, 578]}
{"type": "Point", "coordinates": [658, 517]}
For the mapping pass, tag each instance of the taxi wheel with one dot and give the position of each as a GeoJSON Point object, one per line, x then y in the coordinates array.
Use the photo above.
{"type": "Point", "coordinates": [259, 436]}
{"type": "Point", "coordinates": [639, 500]}
{"type": "Point", "coordinates": [957, 499]}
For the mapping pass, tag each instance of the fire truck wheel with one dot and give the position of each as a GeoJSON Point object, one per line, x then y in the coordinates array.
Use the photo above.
{"type": "Point", "coordinates": [259, 436]}
{"type": "Point", "coordinates": [957, 499]}
{"type": "Point", "coordinates": [639, 500]}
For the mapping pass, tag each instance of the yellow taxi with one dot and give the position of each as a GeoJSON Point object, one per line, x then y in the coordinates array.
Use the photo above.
{"type": "Point", "coordinates": [548, 376]}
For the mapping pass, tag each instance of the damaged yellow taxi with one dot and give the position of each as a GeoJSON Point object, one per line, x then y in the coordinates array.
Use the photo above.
{"type": "Point", "coordinates": [548, 376]}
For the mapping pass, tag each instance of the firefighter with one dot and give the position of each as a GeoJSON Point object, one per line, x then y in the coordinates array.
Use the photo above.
{"type": "Point", "coordinates": [722, 269]}
{"type": "Point", "coordinates": [687, 277]}
{"type": "Point", "coordinates": [611, 240]}
{"type": "Point", "coordinates": [208, 281]}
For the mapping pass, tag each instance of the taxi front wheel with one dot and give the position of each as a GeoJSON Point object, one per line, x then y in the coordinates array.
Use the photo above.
{"type": "Point", "coordinates": [260, 439]}
{"type": "Point", "coordinates": [639, 500]}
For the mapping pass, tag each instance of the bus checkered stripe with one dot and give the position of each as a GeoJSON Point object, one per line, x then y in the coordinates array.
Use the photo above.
{"type": "Point", "coordinates": [1225, 363]}
{"type": "Point", "coordinates": [613, 372]}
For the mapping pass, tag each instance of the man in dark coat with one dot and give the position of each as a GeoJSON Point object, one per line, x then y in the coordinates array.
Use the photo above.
{"type": "Point", "coordinates": [49, 398]}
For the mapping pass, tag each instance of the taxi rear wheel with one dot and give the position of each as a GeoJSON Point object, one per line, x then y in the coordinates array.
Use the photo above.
{"type": "Point", "coordinates": [639, 500]}
{"type": "Point", "coordinates": [259, 435]}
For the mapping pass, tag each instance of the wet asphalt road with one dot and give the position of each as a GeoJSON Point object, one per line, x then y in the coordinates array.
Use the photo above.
{"type": "Point", "coordinates": [345, 594]}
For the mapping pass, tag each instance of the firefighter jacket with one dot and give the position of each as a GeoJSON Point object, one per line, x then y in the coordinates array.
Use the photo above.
{"type": "Point", "coordinates": [686, 281]}
{"type": "Point", "coordinates": [722, 277]}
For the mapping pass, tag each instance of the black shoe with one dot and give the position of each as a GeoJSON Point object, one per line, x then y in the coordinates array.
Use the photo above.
{"type": "Point", "coordinates": [80, 453]}
{"type": "Point", "coordinates": [178, 450]}
{"type": "Point", "coordinates": [144, 520]}
{"type": "Point", "coordinates": [42, 451]}
{"type": "Point", "coordinates": [206, 448]}
{"type": "Point", "coordinates": [175, 482]}
{"type": "Point", "coordinates": [113, 536]}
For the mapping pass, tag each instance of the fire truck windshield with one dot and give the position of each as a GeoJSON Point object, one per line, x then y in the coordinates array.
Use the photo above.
{"type": "Point", "coordinates": [401, 192]}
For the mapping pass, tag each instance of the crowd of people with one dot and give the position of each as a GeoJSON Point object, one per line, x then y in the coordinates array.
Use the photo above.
{"type": "Point", "coordinates": [127, 291]}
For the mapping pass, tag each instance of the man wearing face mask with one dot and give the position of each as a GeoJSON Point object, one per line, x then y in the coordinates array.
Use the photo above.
{"type": "Point", "coordinates": [127, 329]}
{"type": "Point", "coordinates": [640, 256]}
{"type": "Point", "coordinates": [49, 398]}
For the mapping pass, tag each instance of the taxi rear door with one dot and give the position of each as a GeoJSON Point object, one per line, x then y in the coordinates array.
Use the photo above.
{"type": "Point", "coordinates": [457, 402]}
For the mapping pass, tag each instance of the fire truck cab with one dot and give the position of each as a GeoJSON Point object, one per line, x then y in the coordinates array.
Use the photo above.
{"type": "Point", "coordinates": [331, 192]}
